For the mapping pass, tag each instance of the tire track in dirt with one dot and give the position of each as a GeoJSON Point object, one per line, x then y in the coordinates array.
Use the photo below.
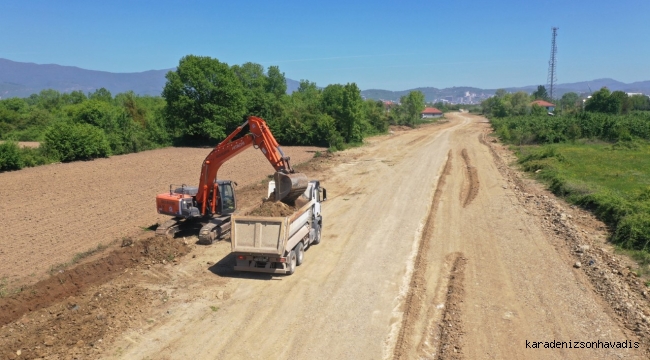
{"type": "Point", "coordinates": [472, 176]}
{"type": "Point", "coordinates": [417, 288]}
{"type": "Point", "coordinates": [451, 326]}
{"type": "Point", "coordinates": [417, 139]}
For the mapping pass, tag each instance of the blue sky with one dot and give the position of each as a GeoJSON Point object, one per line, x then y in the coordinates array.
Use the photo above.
{"type": "Point", "coordinates": [394, 45]}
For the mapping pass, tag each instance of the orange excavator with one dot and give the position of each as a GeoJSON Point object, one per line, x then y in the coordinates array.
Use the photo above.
{"type": "Point", "coordinates": [213, 201]}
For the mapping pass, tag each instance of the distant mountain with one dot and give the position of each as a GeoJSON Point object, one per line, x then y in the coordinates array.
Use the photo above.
{"type": "Point", "coordinates": [292, 85]}
{"type": "Point", "coordinates": [19, 79]}
{"type": "Point", "coordinates": [23, 79]}
{"type": "Point", "coordinates": [587, 87]}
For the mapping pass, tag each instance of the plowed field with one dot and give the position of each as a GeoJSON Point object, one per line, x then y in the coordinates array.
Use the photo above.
{"type": "Point", "coordinates": [50, 213]}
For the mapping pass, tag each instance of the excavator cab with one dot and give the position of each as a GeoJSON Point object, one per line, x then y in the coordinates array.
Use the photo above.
{"type": "Point", "coordinates": [227, 202]}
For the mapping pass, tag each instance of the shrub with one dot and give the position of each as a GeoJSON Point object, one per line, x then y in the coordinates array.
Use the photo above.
{"type": "Point", "coordinates": [70, 142]}
{"type": "Point", "coordinates": [10, 156]}
{"type": "Point", "coordinates": [633, 232]}
{"type": "Point", "coordinates": [34, 157]}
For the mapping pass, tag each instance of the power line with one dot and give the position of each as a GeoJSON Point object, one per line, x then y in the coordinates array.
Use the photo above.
{"type": "Point", "coordinates": [552, 63]}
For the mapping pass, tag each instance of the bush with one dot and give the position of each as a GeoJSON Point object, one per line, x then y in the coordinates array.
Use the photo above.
{"type": "Point", "coordinates": [10, 156]}
{"type": "Point", "coordinates": [34, 157]}
{"type": "Point", "coordinates": [633, 232]}
{"type": "Point", "coordinates": [70, 142]}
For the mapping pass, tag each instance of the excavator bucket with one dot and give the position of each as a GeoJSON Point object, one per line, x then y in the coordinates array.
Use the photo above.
{"type": "Point", "coordinates": [289, 187]}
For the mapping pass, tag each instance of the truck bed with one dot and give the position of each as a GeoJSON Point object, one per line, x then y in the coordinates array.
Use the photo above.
{"type": "Point", "coordinates": [269, 235]}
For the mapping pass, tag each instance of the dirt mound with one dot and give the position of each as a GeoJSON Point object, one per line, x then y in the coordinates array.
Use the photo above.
{"type": "Point", "coordinates": [81, 326]}
{"type": "Point", "coordinates": [451, 327]}
{"type": "Point", "coordinates": [273, 209]}
{"type": "Point", "coordinates": [73, 281]}
{"type": "Point", "coordinates": [472, 186]}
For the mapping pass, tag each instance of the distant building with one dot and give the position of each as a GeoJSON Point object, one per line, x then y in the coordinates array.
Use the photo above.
{"type": "Point", "coordinates": [545, 104]}
{"type": "Point", "coordinates": [388, 104]}
{"type": "Point", "coordinates": [430, 113]}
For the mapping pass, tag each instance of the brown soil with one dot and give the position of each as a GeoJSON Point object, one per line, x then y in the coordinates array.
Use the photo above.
{"type": "Point", "coordinates": [56, 211]}
{"type": "Point", "coordinates": [273, 209]}
{"type": "Point", "coordinates": [398, 128]}
{"type": "Point", "coordinates": [472, 187]}
{"type": "Point", "coordinates": [28, 144]}
{"type": "Point", "coordinates": [451, 326]}
{"type": "Point", "coordinates": [413, 304]}
{"type": "Point", "coordinates": [72, 282]}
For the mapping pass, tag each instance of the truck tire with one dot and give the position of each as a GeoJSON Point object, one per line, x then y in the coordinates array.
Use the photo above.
{"type": "Point", "coordinates": [291, 264]}
{"type": "Point", "coordinates": [300, 253]}
{"type": "Point", "coordinates": [317, 235]}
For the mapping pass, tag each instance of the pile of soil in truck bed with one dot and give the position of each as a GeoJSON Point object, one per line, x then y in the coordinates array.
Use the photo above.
{"type": "Point", "coordinates": [273, 209]}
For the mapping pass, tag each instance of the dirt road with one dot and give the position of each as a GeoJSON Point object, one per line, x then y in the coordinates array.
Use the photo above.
{"type": "Point", "coordinates": [426, 253]}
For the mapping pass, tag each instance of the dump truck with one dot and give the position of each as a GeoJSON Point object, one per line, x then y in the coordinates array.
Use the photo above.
{"type": "Point", "coordinates": [277, 244]}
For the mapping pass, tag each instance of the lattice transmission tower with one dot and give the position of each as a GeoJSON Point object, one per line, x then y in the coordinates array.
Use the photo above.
{"type": "Point", "coordinates": [552, 71]}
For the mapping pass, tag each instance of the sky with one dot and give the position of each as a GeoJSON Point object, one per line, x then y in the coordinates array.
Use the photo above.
{"type": "Point", "coordinates": [392, 45]}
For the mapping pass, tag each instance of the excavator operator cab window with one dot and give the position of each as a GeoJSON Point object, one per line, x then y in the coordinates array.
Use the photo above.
{"type": "Point", "coordinates": [226, 198]}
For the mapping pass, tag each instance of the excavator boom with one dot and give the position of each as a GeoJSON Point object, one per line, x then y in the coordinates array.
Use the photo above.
{"type": "Point", "coordinates": [259, 136]}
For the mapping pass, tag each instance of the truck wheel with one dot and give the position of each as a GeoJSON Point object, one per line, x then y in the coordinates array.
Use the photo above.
{"type": "Point", "coordinates": [291, 265]}
{"type": "Point", "coordinates": [300, 254]}
{"type": "Point", "coordinates": [317, 236]}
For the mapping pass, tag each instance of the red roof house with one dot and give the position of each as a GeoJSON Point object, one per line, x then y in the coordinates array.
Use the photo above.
{"type": "Point", "coordinates": [544, 104]}
{"type": "Point", "coordinates": [430, 113]}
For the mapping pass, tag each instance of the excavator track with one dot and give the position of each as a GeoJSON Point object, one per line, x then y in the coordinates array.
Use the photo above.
{"type": "Point", "coordinates": [214, 230]}
{"type": "Point", "coordinates": [168, 228]}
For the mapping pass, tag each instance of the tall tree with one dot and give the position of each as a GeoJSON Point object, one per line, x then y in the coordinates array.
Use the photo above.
{"type": "Point", "coordinates": [352, 113]}
{"type": "Point", "coordinates": [570, 101]}
{"type": "Point", "coordinates": [413, 104]}
{"type": "Point", "coordinates": [277, 83]}
{"type": "Point", "coordinates": [602, 101]}
{"type": "Point", "coordinates": [519, 101]}
{"type": "Point", "coordinates": [541, 93]}
{"type": "Point", "coordinates": [254, 82]}
{"type": "Point", "coordinates": [639, 102]}
{"type": "Point", "coordinates": [204, 98]}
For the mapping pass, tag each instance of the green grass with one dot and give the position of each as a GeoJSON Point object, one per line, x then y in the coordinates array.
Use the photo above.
{"type": "Point", "coordinates": [611, 180]}
{"type": "Point", "coordinates": [624, 171]}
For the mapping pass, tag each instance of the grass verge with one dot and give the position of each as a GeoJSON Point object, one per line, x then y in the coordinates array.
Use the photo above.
{"type": "Point", "coordinates": [613, 181]}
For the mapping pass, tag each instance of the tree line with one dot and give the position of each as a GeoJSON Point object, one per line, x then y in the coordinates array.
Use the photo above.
{"type": "Point", "coordinates": [504, 104]}
{"type": "Point", "coordinates": [608, 116]}
{"type": "Point", "coordinates": [203, 100]}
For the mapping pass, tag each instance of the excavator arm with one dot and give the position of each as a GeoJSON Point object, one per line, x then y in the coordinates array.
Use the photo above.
{"type": "Point", "coordinates": [259, 135]}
